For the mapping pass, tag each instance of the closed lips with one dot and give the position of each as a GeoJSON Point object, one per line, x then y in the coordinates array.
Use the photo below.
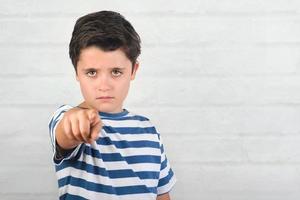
{"type": "Point", "coordinates": [106, 97]}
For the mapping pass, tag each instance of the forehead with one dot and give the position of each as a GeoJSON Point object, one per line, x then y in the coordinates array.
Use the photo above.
{"type": "Point", "coordinates": [97, 58]}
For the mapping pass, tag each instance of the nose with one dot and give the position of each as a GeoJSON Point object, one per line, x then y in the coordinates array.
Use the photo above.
{"type": "Point", "coordinates": [103, 83]}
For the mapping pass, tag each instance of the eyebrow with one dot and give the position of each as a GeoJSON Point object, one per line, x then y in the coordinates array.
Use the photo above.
{"type": "Point", "coordinates": [89, 69]}
{"type": "Point", "coordinates": [95, 69]}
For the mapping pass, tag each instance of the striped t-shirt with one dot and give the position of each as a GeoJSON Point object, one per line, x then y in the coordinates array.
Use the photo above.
{"type": "Point", "coordinates": [126, 162]}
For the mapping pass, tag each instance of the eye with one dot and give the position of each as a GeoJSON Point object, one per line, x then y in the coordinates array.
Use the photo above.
{"type": "Point", "coordinates": [91, 73]}
{"type": "Point", "coordinates": [116, 72]}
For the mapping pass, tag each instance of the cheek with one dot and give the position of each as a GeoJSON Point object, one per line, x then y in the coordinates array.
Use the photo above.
{"type": "Point", "coordinates": [124, 87]}
{"type": "Point", "coordinates": [86, 88]}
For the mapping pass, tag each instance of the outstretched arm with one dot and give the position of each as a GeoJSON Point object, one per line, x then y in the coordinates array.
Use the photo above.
{"type": "Point", "coordinates": [165, 196]}
{"type": "Point", "coordinates": [77, 126]}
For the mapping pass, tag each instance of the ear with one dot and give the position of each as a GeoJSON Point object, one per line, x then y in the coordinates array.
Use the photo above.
{"type": "Point", "coordinates": [135, 68]}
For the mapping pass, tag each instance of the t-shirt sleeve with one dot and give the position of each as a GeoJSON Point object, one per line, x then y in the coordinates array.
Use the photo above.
{"type": "Point", "coordinates": [167, 177]}
{"type": "Point", "coordinates": [55, 119]}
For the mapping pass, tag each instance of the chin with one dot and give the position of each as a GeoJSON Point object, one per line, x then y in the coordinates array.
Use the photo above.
{"type": "Point", "coordinates": [107, 109]}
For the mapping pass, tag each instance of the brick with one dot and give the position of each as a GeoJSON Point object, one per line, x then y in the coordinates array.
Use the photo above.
{"type": "Point", "coordinates": [199, 149]}
{"type": "Point", "coordinates": [218, 60]}
{"type": "Point", "coordinates": [30, 180]}
{"type": "Point", "coordinates": [25, 130]}
{"type": "Point", "coordinates": [202, 91]}
{"type": "Point", "coordinates": [279, 149]}
{"type": "Point", "coordinates": [228, 121]}
{"type": "Point", "coordinates": [190, 31]}
{"type": "Point", "coordinates": [35, 61]}
{"type": "Point", "coordinates": [29, 92]}
{"type": "Point", "coordinates": [29, 148]}
{"type": "Point", "coordinates": [168, 30]}
{"type": "Point", "coordinates": [29, 7]}
{"type": "Point", "coordinates": [245, 7]}
{"type": "Point", "coordinates": [65, 8]}
{"type": "Point", "coordinates": [36, 31]}
{"type": "Point", "coordinates": [26, 196]}
{"type": "Point", "coordinates": [237, 182]}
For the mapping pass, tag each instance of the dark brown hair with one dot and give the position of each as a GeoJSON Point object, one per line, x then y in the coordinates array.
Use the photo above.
{"type": "Point", "coordinates": [106, 30]}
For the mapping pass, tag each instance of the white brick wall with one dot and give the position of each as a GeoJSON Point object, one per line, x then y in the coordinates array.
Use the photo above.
{"type": "Point", "coordinates": [220, 79]}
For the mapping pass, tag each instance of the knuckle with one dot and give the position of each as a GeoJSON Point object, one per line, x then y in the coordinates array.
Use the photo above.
{"type": "Point", "coordinates": [84, 134]}
{"type": "Point", "coordinates": [93, 112]}
{"type": "Point", "coordinates": [76, 134]}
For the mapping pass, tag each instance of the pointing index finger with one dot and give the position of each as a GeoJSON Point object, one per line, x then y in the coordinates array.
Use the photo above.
{"type": "Point", "coordinates": [95, 120]}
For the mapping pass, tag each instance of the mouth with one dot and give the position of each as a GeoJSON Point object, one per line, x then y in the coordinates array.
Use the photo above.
{"type": "Point", "coordinates": [105, 97]}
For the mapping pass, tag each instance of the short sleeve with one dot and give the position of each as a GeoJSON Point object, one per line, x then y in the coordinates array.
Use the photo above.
{"type": "Point", "coordinates": [56, 117]}
{"type": "Point", "coordinates": [167, 177]}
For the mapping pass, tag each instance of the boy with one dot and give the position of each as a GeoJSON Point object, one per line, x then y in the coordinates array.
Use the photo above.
{"type": "Point", "coordinates": [102, 151]}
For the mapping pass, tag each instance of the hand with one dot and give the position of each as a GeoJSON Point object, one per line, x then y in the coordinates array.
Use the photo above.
{"type": "Point", "coordinates": [79, 125]}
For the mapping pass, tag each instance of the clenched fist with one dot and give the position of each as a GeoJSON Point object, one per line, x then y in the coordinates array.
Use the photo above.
{"type": "Point", "coordinates": [78, 125]}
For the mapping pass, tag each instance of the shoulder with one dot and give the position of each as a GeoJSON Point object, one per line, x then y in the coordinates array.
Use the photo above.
{"type": "Point", "coordinates": [131, 123]}
{"type": "Point", "coordinates": [141, 118]}
{"type": "Point", "coordinates": [64, 107]}
{"type": "Point", "coordinates": [144, 122]}
{"type": "Point", "coordinates": [136, 116]}
{"type": "Point", "coordinates": [60, 111]}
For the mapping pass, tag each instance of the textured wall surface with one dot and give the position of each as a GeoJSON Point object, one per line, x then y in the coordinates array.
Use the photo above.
{"type": "Point", "coordinates": [220, 79]}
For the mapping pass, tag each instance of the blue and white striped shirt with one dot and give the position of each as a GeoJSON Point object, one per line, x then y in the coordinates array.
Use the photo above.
{"type": "Point", "coordinates": [127, 161]}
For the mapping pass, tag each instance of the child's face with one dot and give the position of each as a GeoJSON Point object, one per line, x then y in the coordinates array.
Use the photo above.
{"type": "Point", "coordinates": [104, 78]}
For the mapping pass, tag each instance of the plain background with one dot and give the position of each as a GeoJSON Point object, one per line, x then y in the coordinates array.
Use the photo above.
{"type": "Point", "coordinates": [219, 79]}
